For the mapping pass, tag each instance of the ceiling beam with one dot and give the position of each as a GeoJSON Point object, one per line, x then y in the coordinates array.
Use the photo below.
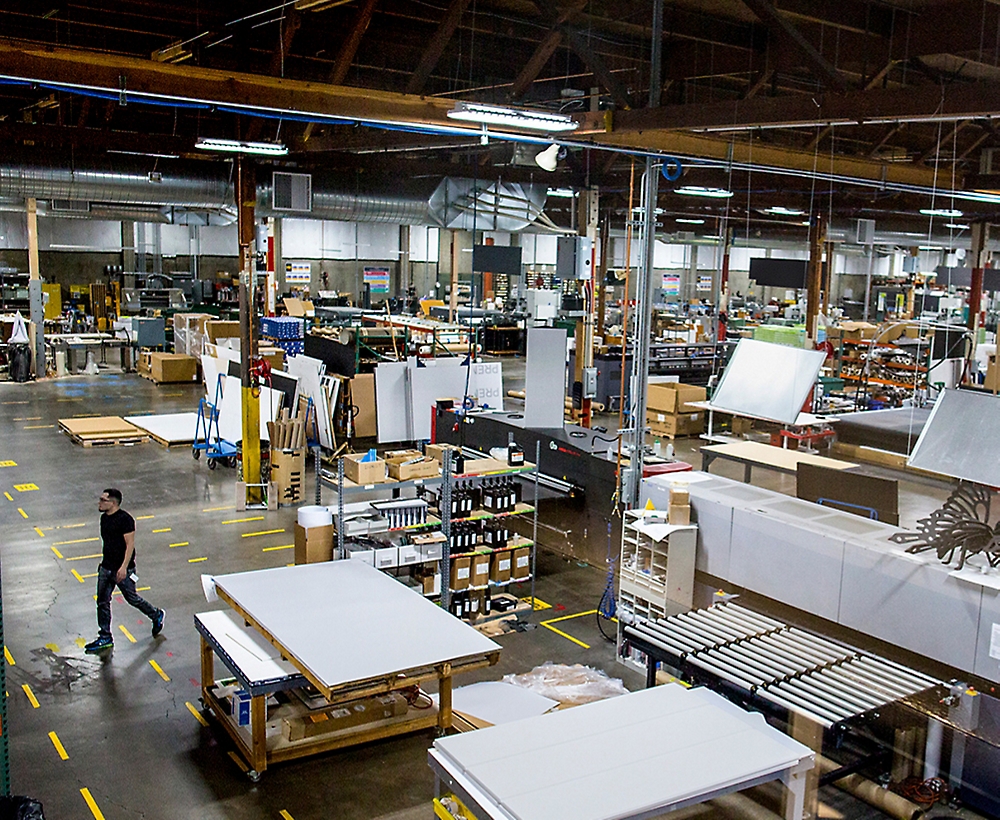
{"type": "Point", "coordinates": [887, 135]}
{"type": "Point", "coordinates": [436, 46]}
{"type": "Point", "coordinates": [96, 140]}
{"type": "Point", "coordinates": [350, 47]}
{"type": "Point", "coordinates": [596, 64]}
{"type": "Point", "coordinates": [940, 143]}
{"type": "Point", "coordinates": [783, 29]}
{"type": "Point", "coordinates": [543, 53]}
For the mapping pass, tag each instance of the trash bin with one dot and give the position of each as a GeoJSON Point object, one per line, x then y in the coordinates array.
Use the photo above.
{"type": "Point", "coordinates": [20, 362]}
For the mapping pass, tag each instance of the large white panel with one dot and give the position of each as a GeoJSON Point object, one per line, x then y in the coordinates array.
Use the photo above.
{"type": "Point", "coordinates": [961, 438]}
{"type": "Point", "coordinates": [301, 238]}
{"type": "Point", "coordinates": [669, 256]}
{"type": "Point", "coordinates": [539, 249]}
{"type": "Point", "coordinates": [424, 244]}
{"type": "Point", "coordinates": [987, 650]}
{"type": "Point", "coordinates": [545, 378]}
{"type": "Point", "coordinates": [768, 381]}
{"type": "Point", "coordinates": [390, 402]}
{"type": "Point", "coordinates": [175, 240]}
{"type": "Point", "coordinates": [13, 231]}
{"type": "Point", "coordinates": [219, 240]}
{"type": "Point", "coordinates": [87, 235]}
{"type": "Point", "coordinates": [338, 240]}
{"type": "Point", "coordinates": [378, 241]}
{"type": "Point", "coordinates": [618, 246]}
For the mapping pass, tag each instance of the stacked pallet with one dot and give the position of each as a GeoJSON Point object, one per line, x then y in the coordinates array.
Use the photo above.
{"type": "Point", "coordinates": [103, 431]}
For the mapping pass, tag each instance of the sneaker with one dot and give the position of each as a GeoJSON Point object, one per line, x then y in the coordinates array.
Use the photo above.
{"type": "Point", "coordinates": [101, 642]}
{"type": "Point", "coordinates": [158, 622]}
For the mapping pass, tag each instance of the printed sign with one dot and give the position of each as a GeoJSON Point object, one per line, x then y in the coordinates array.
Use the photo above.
{"type": "Point", "coordinates": [705, 283]}
{"type": "Point", "coordinates": [671, 285]}
{"type": "Point", "coordinates": [486, 383]}
{"type": "Point", "coordinates": [298, 272]}
{"type": "Point", "coordinates": [378, 279]}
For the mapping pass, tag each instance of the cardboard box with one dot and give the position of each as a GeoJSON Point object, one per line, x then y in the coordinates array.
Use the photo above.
{"type": "Point", "coordinates": [461, 572]}
{"type": "Point", "coordinates": [436, 451]}
{"type": "Point", "coordinates": [216, 329]}
{"type": "Point", "coordinates": [345, 716]}
{"type": "Point", "coordinates": [500, 565]}
{"type": "Point", "coordinates": [314, 544]}
{"type": "Point", "coordinates": [992, 380]}
{"type": "Point", "coordinates": [431, 582]}
{"type": "Point", "coordinates": [521, 565]}
{"type": "Point", "coordinates": [480, 569]}
{"type": "Point", "coordinates": [363, 472]}
{"type": "Point", "coordinates": [424, 468]}
{"type": "Point", "coordinates": [741, 425]}
{"type": "Point", "coordinates": [679, 514]}
{"type": "Point", "coordinates": [275, 356]}
{"type": "Point", "coordinates": [680, 496]}
{"type": "Point", "coordinates": [288, 469]}
{"type": "Point", "coordinates": [857, 331]}
{"type": "Point", "coordinates": [688, 424]}
{"type": "Point", "coordinates": [169, 368]}
{"type": "Point", "coordinates": [363, 399]}
{"type": "Point", "coordinates": [673, 398]}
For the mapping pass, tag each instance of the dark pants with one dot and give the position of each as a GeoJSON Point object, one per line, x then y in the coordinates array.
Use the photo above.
{"type": "Point", "coordinates": [105, 587]}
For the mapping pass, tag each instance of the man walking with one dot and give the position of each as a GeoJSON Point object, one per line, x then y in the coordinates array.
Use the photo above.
{"type": "Point", "coordinates": [117, 568]}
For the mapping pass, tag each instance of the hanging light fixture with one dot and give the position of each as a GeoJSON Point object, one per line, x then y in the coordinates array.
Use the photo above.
{"type": "Point", "coordinates": [549, 158]}
{"type": "Point", "coordinates": [512, 117]}
{"type": "Point", "coordinates": [273, 149]}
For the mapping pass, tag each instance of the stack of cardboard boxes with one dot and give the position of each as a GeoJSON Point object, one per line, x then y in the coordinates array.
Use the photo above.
{"type": "Point", "coordinates": [679, 512]}
{"type": "Point", "coordinates": [669, 412]}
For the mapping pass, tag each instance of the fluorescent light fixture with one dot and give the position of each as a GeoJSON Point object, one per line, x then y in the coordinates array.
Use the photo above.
{"type": "Point", "coordinates": [273, 149]}
{"type": "Point", "coordinates": [710, 193]}
{"type": "Point", "coordinates": [512, 117]}
{"type": "Point", "coordinates": [562, 193]}
{"type": "Point", "coordinates": [144, 154]}
{"type": "Point", "coordinates": [780, 211]}
{"type": "Point", "coordinates": [659, 211]}
{"type": "Point", "coordinates": [686, 221]}
{"type": "Point", "coordinates": [955, 226]}
{"type": "Point", "coordinates": [948, 212]}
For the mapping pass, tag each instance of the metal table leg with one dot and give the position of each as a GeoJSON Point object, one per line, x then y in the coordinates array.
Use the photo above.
{"type": "Point", "coordinates": [747, 472]}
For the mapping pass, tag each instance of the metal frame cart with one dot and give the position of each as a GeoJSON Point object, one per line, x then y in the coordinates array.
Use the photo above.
{"type": "Point", "coordinates": [206, 433]}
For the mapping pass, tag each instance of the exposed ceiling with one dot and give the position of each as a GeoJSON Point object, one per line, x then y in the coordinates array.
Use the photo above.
{"type": "Point", "coordinates": [854, 108]}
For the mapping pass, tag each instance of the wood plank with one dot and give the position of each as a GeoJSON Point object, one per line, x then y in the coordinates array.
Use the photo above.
{"type": "Point", "coordinates": [777, 458]}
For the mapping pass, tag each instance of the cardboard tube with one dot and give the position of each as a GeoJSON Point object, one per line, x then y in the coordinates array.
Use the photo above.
{"type": "Point", "coordinates": [871, 793]}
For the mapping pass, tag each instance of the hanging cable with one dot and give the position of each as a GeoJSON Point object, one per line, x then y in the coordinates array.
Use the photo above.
{"type": "Point", "coordinates": [608, 606]}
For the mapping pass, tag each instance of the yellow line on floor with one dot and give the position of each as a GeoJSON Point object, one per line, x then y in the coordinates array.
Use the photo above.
{"type": "Point", "coordinates": [162, 529]}
{"type": "Point", "coordinates": [142, 589]}
{"type": "Point", "coordinates": [90, 575]}
{"type": "Point", "coordinates": [31, 695]}
{"type": "Point", "coordinates": [84, 557]}
{"type": "Point", "coordinates": [569, 617]}
{"type": "Point", "coordinates": [126, 633]}
{"type": "Point", "coordinates": [39, 531]}
{"type": "Point", "coordinates": [144, 518]}
{"type": "Point", "coordinates": [77, 541]}
{"type": "Point", "coordinates": [85, 415]}
{"type": "Point", "coordinates": [567, 637]}
{"type": "Point", "coordinates": [159, 671]}
{"type": "Point", "coordinates": [197, 560]}
{"type": "Point", "coordinates": [238, 761]}
{"type": "Point", "coordinates": [180, 544]}
{"type": "Point", "coordinates": [77, 575]}
{"type": "Point", "coordinates": [8, 496]}
{"type": "Point", "coordinates": [197, 715]}
{"type": "Point", "coordinates": [244, 520]}
{"type": "Point", "coordinates": [29, 418]}
{"type": "Point", "coordinates": [219, 509]}
{"type": "Point", "coordinates": [13, 402]}
{"type": "Point", "coordinates": [58, 554]}
{"type": "Point", "coordinates": [262, 532]}
{"type": "Point", "coordinates": [282, 547]}
{"type": "Point", "coordinates": [58, 744]}
{"type": "Point", "coordinates": [23, 513]}
{"type": "Point", "coordinates": [9, 657]}
{"type": "Point", "coordinates": [38, 426]}
{"type": "Point", "coordinates": [91, 803]}
{"type": "Point", "coordinates": [70, 526]}
{"type": "Point", "coordinates": [285, 815]}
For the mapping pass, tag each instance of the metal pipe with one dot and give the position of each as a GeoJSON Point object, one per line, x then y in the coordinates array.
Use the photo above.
{"type": "Point", "coordinates": [817, 698]}
{"type": "Point", "coordinates": [723, 627]}
{"type": "Point", "coordinates": [900, 680]}
{"type": "Point", "coordinates": [774, 697]}
{"type": "Point", "coordinates": [769, 672]}
{"type": "Point", "coordinates": [721, 635]}
{"type": "Point", "coordinates": [884, 800]}
{"type": "Point", "coordinates": [755, 617]}
{"type": "Point", "coordinates": [685, 643]}
{"type": "Point", "coordinates": [800, 705]}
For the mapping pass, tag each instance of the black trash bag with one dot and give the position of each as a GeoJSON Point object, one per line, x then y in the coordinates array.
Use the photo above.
{"type": "Point", "coordinates": [20, 808]}
{"type": "Point", "coordinates": [20, 366]}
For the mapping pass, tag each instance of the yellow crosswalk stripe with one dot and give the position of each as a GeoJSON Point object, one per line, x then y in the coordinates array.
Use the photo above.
{"type": "Point", "coordinates": [39, 531]}
{"type": "Point", "coordinates": [244, 520]}
{"type": "Point", "coordinates": [75, 541]}
{"type": "Point", "coordinates": [91, 803]}
{"type": "Point", "coordinates": [159, 671]}
{"type": "Point", "coordinates": [285, 815]}
{"type": "Point", "coordinates": [23, 513]}
{"type": "Point", "coordinates": [197, 715]}
{"type": "Point", "coordinates": [31, 696]}
{"type": "Point", "coordinates": [144, 518]}
{"type": "Point", "coordinates": [162, 529]}
{"type": "Point", "coordinates": [58, 744]}
{"type": "Point", "coordinates": [83, 557]}
{"type": "Point", "coordinates": [282, 547]}
{"type": "Point", "coordinates": [180, 544]}
{"type": "Point", "coordinates": [219, 509]}
{"type": "Point", "coordinates": [8, 657]}
{"type": "Point", "coordinates": [262, 532]}
{"type": "Point", "coordinates": [8, 496]}
{"type": "Point", "coordinates": [58, 554]}
{"type": "Point", "coordinates": [197, 560]}
{"type": "Point", "coordinates": [77, 575]}
{"type": "Point", "coordinates": [126, 633]}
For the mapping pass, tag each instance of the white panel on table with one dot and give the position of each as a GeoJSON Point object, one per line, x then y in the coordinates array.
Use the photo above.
{"type": "Point", "coordinates": [961, 438]}
{"type": "Point", "coordinates": [301, 238]}
{"type": "Point", "coordinates": [442, 378]}
{"type": "Point", "coordinates": [392, 413]}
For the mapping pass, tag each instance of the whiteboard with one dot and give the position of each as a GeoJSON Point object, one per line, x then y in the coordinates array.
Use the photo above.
{"type": "Point", "coordinates": [767, 381]}
{"type": "Point", "coordinates": [961, 438]}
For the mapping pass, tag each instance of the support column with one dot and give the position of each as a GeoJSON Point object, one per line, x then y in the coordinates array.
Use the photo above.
{"type": "Point", "coordinates": [722, 302]}
{"type": "Point", "coordinates": [814, 276]}
{"type": "Point", "coordinates": [980, 236]}
{"type": "Point", "coordinates": [246, 193]}
{"type": "Point", "coordinates": [37, 306]}
{"type": "Point", "coordinates": [453, 296]}
{"type": "Point", "coordinates": [405, 274]}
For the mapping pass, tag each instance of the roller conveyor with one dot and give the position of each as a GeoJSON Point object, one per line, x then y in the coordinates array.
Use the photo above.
{"type": "Point", "coordinates": [824, 680]}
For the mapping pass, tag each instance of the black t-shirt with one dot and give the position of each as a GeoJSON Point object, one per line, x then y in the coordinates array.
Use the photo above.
{"type": "Point", "coordinates": [114, 528]}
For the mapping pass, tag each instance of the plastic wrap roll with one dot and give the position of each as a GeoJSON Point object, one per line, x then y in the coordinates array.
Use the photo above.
{"type": "Point", "coordinates": [314, 517]}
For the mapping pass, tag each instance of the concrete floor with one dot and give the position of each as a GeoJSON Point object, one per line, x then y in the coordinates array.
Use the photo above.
{"type": "Point", "coordinates": [129, 734]}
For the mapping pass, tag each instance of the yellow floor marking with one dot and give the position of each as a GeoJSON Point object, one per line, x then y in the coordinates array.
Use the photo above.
{"type": "Point", "coordinates": [282, 547]}
{"type": "Point", "coordinates": [197, 715]}
{"type": "Point", "coordinates": [81, 642]}
{"type": "Point", "coordinates": [84, 415]}
{"type": "Point", "coordinates": [84, 557]}
{"type": "Point", "coordinates": [539, 603]}
{"type": "Point", "coordinates": [196, 560]}
{"type": "Point", "coordinates": [59, 747]}
{"type": "Point", "coordinates": [25, 488]}
{"type": "Point", "coordinates": [69, 399]}
{"type": "Point", "coordinates": [162, 529]}
{"type": "Point", "coordinates": [91, 803]}
{"type": "Point", "coordinates": [238, 761]}
{"type": "Point", "coordinates": [76, 541]}
{"type": "Point", "coordinates": [262, 532]}
{"type": "Point", "coordinates": [244, 520]}
{"type": "Point", "coordinates": [77, 575]}
{"type": "Point", "coordinates": [144, 517]}
{"type": "Point", "coordinates": [89, 575]}
{"type": "Point", "coordinates": [58, 554]}
{"type": "Point", "coordinates": [142, 589]}
{"type": "Point", "coordinates": [219, 509]}
{"type": "Point", "coordinates": [29, 418]}
{"type": "Point", "coordinates": [180, 544]}
{"type": "Point", "coordinates": [548, 625]}
{"type": "Point", "coordinates": [39, 531]}
{"type": "Point", "coordinates": [13, 402]}
{"type": "Point", "coordinates": [52, 647]}
{"type": "Point", "coordinates": [39, 426]}
{"type": "Point", "coordinates": [8, 463]}
{"type": "Point", "coordinates": [126, 633]}
{"type": "Point", "coordinates": [570, 617]}
{"type": "Point", "coordinates": [9, 657]}
{"type": "Point", "coordinates": [567, 637]}
{"type": "Point", "coordinates": [31, 695]}
{"type": "Point", "coordinates": [23, 513]}
{"type": "Point", "coordinates": [159, 671]}
{"type": "Point", "coordinates": [8, 496]}
{"type": "Point", "coordinates": [285, 815]}
{"type": "Point", "coordinates": [69, 526]}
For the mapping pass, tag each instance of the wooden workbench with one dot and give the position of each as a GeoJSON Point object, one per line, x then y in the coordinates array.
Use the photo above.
{"type": "Point", "coordinates": [753, 454]}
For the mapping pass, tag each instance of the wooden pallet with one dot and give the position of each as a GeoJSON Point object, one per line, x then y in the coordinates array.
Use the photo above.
{"type": "Point", "coordinates": [124, 441]}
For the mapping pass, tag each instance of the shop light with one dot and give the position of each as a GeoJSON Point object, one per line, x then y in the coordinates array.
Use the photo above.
{"type": "Point", "coordinates": [686, 221]}
{"type": "Point", "coordinates": [512, 117]}
{"type": "Point", "coordinates": [709, 193]}
{"type": "Point", "coordinates": [948, 212]}
{"type": "Point", "coordinates": [271, 149]}
{"type": "Point", "coordinates": [562, 193]}
{"type": "Point", "coordinates": [955, 226]}
{"type": "Point", "coordinates": [780, 211]}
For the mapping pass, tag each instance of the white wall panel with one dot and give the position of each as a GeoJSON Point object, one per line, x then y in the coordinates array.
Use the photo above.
{"type": "Point", "coordinates": [377, 241]}
{"type": "Point", "coordinates": [175, 240]}
{"type": "Point", "coordinates": [301, 238]}
{"type": "Point", "coordinates": [219, 240]}
{"type": "Point", "coordinates": [539, 249]}
{"type": "Point", "coordinates": [423, 244]}
{"type": "Point", "coordinates": [13, 231]}
{"type": "Point", "coordinates": [86, 235]}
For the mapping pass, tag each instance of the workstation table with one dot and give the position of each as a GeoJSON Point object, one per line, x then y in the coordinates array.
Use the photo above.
{"type": "Point", "coordinates": [347, 629]}
{"type": "Point", "coordinates": [635, 756]}
{"type": "Point", "coordinates": [754, 454]}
